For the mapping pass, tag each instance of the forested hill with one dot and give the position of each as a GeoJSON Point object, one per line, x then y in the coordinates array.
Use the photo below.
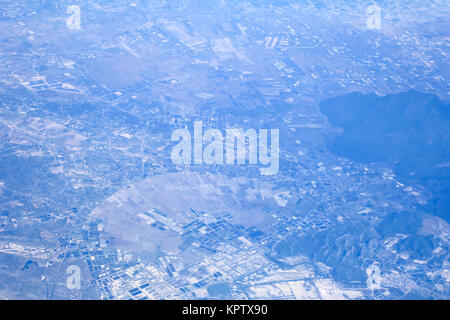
{"type": "Point", "coordinates": [407, 131]}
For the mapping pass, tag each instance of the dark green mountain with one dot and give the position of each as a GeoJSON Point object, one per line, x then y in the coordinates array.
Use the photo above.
{"type": "Point", "coordinates": [409, 132]}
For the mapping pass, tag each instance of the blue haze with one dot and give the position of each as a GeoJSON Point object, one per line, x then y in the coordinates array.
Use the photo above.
{"type": "Point", "coordinates": [359, 208]}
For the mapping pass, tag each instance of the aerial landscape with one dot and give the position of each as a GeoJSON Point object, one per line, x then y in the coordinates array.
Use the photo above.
{"type": "Point", "coordinates": [224, 149]}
